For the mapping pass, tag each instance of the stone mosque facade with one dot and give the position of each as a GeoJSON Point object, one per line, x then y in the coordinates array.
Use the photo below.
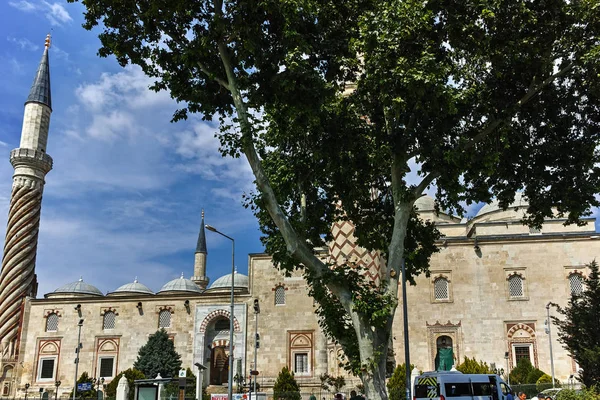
{"type": "Point", "coordinates": [486, 296]}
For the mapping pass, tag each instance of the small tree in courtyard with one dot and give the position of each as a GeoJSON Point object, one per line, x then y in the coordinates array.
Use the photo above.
{"type": "Point", "coordinates": [285, 386]}
{"type": "Point", "coordinates": [158, 356]}
{"type": "Point", "coordinates": [396, 386]}
{"type": "Point", "coordinates": [86, 394]}
{"type": "Point", "coordinates": [520, 373]}
{"type": "Point", "coordinates": [579, 330]}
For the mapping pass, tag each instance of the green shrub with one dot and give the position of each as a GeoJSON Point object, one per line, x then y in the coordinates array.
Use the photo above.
{"type": "Point", "coordinates": [131, 375]}
{"type": "Point", "coordinates": [397, 384]}
{"type": "Point", "coordinates": [472, 366]}
{"type": "Point", "coordinates": [519, 374]}
{"type": "Point", "coordinates": [534, 375]}
{"type": "Point", "coordinates": [286, 387]}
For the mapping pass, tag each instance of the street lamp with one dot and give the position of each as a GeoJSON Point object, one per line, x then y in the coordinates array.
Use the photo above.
{"type": "Point", "coordinates": [57, 384]}
{"type": "Point", "coordinates": [507, 368]}
{"type": "Point", "coordinates": [256, 343]}
{"type": "Point", "coordinates": [406, 341]}
{"type": "Point", "coordinates": [26, 389]}
{"type": "Point", "coordinates": [230, 375]}
{"type": "Point", "coordinates": [80, 324]}
{"type": "Point", "coordinates": [549, 332]}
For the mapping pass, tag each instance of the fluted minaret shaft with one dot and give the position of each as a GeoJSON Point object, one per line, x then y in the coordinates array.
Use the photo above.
{"type": "Point", "coordinates": [31, 164]}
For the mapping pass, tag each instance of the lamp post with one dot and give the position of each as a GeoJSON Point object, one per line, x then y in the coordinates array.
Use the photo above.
{"type": "Point", "coordinates": [57, 384]}
{"type": "Point", "coordinates": [256, 312]}
{"type": "Point", "coordinates": [406, 341]}
{"type": "Point", "coordinates": [549, 332]}
{"type": "Point", "coordinates": [80, 324]}
{"type": "Point", "coordinates": [230, 375]}
{"type": "Point", "coordinates": [26, 389]}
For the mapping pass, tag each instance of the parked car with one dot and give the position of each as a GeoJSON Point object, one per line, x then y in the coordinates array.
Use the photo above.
{"type": "Point", "coordinates": [454, 385]}
{"type": "Point", "coordinates": [552, 392]}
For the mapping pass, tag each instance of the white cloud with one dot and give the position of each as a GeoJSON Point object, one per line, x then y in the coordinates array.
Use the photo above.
{"type": "Point", "coordinates": [25, 44]}
{"type": "Point", "coordinates": [56, 13]}
{"type": "Point", "coordinates": [22, 5]}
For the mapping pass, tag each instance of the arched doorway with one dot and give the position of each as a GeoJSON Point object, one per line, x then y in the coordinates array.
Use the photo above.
{"type": "Point", "coordinates": [218, 337]}
{"type": "Point", "coordinates": [444, 358]}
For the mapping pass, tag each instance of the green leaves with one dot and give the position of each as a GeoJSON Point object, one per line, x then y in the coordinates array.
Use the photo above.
{"type": "Point", "coordinates": [158, 356]}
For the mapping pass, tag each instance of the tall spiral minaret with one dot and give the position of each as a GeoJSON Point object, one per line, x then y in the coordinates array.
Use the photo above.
{"type": "Point", "coordinates": [31, 164]}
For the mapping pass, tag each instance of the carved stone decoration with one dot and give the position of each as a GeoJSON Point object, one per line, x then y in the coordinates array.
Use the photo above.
{"type": "Point", "coordinates": [436, 331]}
{"type": "Point", "coordinates": [521, 333]}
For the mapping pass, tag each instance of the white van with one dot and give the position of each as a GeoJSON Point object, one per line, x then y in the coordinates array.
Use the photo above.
{"type": "Point", "coordinates": [454, 385]}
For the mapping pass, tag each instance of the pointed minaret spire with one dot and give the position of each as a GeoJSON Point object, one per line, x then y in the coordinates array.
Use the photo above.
{"type": "Point", "coordinates": [40, 89]}
{"type": "Point", "coordinates": [31, 164]}
{"type": "Point", "coordinates": [200, 258]}
{"type": "Point", "coordinates": [201, 245]}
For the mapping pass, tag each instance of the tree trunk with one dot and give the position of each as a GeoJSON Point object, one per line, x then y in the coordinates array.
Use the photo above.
{"type": "Point", "coordinates": [373, 378]}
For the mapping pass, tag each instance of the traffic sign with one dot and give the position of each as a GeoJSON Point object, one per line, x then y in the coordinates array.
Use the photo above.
{"type": "Point", "coordinates": [182, 373]}
{"type": "Point", "coordinates": [253, 372]}
{"type": "Point", "coordinates": [84, 386]}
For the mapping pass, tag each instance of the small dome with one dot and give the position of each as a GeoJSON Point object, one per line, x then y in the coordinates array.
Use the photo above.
{"type": "Point", "coordinates": [132, 288]}
{"type": "Point", "coordinates": [425, 203]}
{"type": "Point", "coordinates": [240, 281]}
{"type": "Point", "coordinates": [180, 285]}
{"type": "Point", "coordinates": [520, 201]}
{"type": "Point", "coordinates": [79, 288]}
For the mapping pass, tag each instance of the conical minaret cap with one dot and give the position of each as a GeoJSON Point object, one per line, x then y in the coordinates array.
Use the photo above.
{"type": "Point", "coordinates": [40, 90]}
{"type": "Point", "coordinates": [201, 245]}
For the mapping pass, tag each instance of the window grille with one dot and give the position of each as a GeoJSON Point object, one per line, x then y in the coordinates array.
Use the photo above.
{"type": "Point", "coordinates": [301, 363]}
{"type": "Point", "coordinates": [515, 286]}
{"type": "Point", "coordinates": [164, 319]}
{"type": "Point", "coordinates": [521, 352]}
{"type": "Point", "coordinates": [576, 283]}
{"type": "Point", "coordinates": [52, 322]}
{"type": "Point", "coordinates": [440, 289]}
{"type": "Point", "coordinates": [280, 295]}
{"type": "Point", "coordinates": [47, 369]}
{"type": "Point", "coordinates": [109, 321]}
{"type": "Point", "coordinates": [222, 325]}
{"type": "Point", "coordinates": [106, 367]}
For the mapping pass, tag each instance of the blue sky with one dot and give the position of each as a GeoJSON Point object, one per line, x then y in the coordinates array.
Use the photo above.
{"type": "Point", "coordinates": [125, 196]}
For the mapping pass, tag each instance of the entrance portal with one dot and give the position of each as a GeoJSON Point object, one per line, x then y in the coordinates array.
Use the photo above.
{"type": "Point", "coordinates": [219, 366]}
{"type": "Point", "coordinates": [444, 359]}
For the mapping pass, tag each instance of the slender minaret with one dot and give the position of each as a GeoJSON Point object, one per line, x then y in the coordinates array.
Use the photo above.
{"type": "Point", "coordinates": [31, 164]}
{"type": "Point", "coordinates": [200, 277]}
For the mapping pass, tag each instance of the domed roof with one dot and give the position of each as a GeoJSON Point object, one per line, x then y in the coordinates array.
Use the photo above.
{"type": "Point", "coordinates": [520, 201]}
{"type": "Point", "coordinates": [240, 281]}
{"type": "Point", "coordinates": [77, 288]}
{"type": "Point", "coordinates": [425, 203]}
{"type": "Point", "coordinates": [180, 285]}
{"type": "Point", "coordinates": [132, 288]}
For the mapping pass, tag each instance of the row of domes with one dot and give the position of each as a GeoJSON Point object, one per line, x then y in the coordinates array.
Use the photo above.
{"type": "Point", "coordinates": [178, 285]}
{"type": "Point", "coordinates": [427, 203]}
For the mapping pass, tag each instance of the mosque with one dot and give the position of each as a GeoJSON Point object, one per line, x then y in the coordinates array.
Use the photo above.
{"type": "Point", "coordinates": [486, 297]}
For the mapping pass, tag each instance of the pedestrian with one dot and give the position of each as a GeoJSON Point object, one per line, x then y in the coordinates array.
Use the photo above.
{"type": "Point", "coordinates": [522, 396]}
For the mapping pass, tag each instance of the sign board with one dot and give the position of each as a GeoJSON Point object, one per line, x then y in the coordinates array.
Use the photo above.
{"type": "Point", "coordinates": [218, 396]}
{"type": "Point", "coordinates": [182, 373]}
{"type": "Point", "coordinates": [253, 372]}
{"type": "Point", "coordinates": [84, 386]}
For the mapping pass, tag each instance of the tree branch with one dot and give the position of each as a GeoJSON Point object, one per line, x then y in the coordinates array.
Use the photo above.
{"type": "Point", "coordinates": [418, 191]}
{"type": "Point", "coordinates": [213, 76]}
{"type": "Point", "coordinates": [533, 90]}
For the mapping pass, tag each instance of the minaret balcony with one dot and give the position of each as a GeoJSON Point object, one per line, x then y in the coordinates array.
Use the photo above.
{"type": "Point", "coordinates": [31, 158]}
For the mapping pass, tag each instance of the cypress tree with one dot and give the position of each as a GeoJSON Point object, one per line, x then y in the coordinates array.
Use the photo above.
{"type": "Point", "coordinates": [158, 356]}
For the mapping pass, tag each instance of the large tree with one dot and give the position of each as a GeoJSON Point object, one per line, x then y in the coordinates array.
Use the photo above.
{"type": "Point", "coordinates": [579, 328]}
{"type": "Point", "coordinates": [335, 102]}
{"type": "Point", "coordinates": [158, 356]}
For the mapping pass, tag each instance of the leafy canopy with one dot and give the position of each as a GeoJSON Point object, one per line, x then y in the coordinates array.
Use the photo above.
{"type": "Point", "coordinates": [158, 356]}
{"type": "Point", "coordinates": [579, 330]}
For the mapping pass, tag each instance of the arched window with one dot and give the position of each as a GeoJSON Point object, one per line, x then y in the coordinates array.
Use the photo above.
{"type": "Point", "coordinates": [109, 320]}
{"type": "Point", "coordinates": [576, 283]}
{"type": "Point", "coordinates": [515, 286]}
{"type": "Point", "coordinates": [279, 295]}
{"type": "Point", "coordinates": [440, 289]}
{"type": "Point", "coordinates": [164, 319]}
{"type": "Point", "coordinates": [52, 322]}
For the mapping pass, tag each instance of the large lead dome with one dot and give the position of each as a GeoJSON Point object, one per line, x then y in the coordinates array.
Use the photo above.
{"type": "Point", "coordinates": [75, 289]}
{"type": "Point", "coordinates": [132, 288]}
{"type": "Point", "coordinates": [240, 281]}
{"type": "Point", "coordinates": [180, 285]}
